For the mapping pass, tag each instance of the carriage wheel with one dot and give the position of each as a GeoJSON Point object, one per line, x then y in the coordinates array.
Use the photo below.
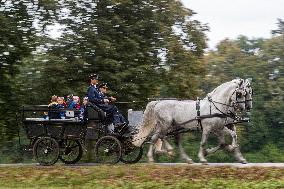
{"type": "Point", "coordinates": [46, 151]}
{"type": "Point", "coordinates": [108, 150]}
{"type": "Point", "coordinates": [132, 154]}
{"type": "Point", "coordinates": [72, 151]}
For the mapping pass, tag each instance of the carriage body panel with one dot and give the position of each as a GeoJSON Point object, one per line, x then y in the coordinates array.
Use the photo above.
{"type": "Point", "coordinates": [43, 129]}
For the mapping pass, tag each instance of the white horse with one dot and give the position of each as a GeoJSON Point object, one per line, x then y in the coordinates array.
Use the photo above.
{"type": "Point", "coordinates": [231, 128]}
{"type": "Point", "coordinates": [162, 117]}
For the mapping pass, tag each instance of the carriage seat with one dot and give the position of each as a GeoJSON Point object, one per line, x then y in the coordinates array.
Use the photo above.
{"type": "Point", "coordinates": [94, 113]}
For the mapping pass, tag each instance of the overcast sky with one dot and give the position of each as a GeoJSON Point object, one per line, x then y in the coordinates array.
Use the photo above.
{"type": "Point", "coordinates": [231, 18]}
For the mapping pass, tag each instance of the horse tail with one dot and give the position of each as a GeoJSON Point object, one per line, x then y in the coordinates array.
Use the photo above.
{"type": "Point", "coordinates": [147, 125]}
{"type": "Point", "coordinates": [149, 120]}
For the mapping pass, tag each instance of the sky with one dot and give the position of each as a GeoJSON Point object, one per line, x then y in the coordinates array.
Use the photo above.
{"type": "Point", "coordinates": [231, 18]}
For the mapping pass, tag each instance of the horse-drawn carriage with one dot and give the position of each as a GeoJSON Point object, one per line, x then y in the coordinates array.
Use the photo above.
{"type": "Point", "coordinates": [53, 139]}
{"type": "Point", "coordinates": [64, 138]}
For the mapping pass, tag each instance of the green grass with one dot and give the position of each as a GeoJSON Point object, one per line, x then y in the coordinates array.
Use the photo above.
{"type": "Point", "coordinates": [140, 176]}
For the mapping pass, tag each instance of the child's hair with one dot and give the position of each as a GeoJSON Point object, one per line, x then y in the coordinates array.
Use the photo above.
{"type": "Point", "coordinates": [54, 98]}
{"type": "Point", "coordinates": [60, 98]}
{"type": "Point", "coordinates": [76, 98]}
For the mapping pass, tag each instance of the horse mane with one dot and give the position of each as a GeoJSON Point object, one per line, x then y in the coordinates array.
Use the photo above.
{"type": "Point", "coordinates": [237, 81]}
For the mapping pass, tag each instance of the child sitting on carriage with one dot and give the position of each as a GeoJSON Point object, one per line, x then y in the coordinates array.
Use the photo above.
{"type": "Point", "coordinates": [53, 105]}
{"type": "Point", "coordinates": [61, 105]}
{"type": "Point", "coordinates": [75, 104]}
{"type": "Point", "coordinates": [83, 108]}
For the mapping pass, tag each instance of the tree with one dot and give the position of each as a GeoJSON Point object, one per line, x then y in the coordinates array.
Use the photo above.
{"type": "Point", "coordinates": [140, 48]}
{"type": "Point", "coordinates": [123, 41]}
{"type": "Point", "coordinates": [16, 36]}
{"type": "Point", "coordinates": [280, 29]}
{"type": "Point", "coordinates": [18, 39]}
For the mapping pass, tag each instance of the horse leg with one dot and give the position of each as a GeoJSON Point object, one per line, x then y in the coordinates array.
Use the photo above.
{"type": "Point", "coordinates": [237, 153]}
{"type": "Point", "coordinates": [201, 153]}
{"type": "Point", "coordinates": [158, 147]}
{"type": "Point", "coordinates": [167, 148]}
{"type": "Point", "coordinates": [234, 138]}
{"type": "Point", "coordinates": [221, 138]}
{"type": "Point", "coordinates": [150, 156]}
{"type": "Point", "coordinates": [239, 156]}
{"type": "Point", "coordinates": [183, 155]}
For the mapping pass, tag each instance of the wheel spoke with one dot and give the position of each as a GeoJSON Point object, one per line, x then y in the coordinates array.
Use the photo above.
{"type": "Point", "coordinates": [72, 151]}
{"type": "Point", "coordinates": [46, 151]}
{"type": "Point", "coordinates": [108, 150]}
{"type": "Point", "coordinates": [131, 154]}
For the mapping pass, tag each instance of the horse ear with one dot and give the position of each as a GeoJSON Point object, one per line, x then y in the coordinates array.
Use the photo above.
{"type": "Point", "coordinates": [241, 82]}
{"type": "Point", "coordinates": [248, 81]}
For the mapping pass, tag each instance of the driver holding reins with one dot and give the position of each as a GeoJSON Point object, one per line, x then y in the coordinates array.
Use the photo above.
{"type": "Point", "coordinates": [95, 97]}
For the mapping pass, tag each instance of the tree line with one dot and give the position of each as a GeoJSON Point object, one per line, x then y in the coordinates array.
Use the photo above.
{"type": "Point", "coordinates": [142, 49]}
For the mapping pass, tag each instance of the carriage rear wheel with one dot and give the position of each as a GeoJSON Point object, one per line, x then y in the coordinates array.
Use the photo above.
{"type": "Point", "coordinates": [131, 155]}
{"type": "Point", "coordinates": [108, 150]}
{"type": "Point", "coordinates": [46, 151]}
{"type": "Point", "coordinates": [72, 151]}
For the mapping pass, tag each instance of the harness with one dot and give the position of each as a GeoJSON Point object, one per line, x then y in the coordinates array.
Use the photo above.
{"type": "Point", "coordinates": [225, 115]}
{"type": "Point", "coordinates": [199, 117]}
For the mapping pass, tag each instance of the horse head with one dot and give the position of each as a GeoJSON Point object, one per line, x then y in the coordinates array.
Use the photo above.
{"type": "Point", "coordinates": [248, 95]}
{"type": "Point", "coordinates": [238, 97]}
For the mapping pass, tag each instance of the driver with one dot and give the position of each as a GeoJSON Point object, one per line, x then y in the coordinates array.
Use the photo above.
{"type": "Point", "coordinates": [99, 100]}
{"type": "Point", "coordinates": [103, 92]}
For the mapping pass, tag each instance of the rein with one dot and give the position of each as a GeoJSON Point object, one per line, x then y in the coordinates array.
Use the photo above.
{"type": "Point", "coordinates": [222, 114]}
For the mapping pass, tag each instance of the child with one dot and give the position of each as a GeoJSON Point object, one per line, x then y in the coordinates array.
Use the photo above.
{"type": "Point", "coordinates": [61, 105]}
{"type": "Point", "coordinates": [69, 100]}
{"type": "Point", "coordinates": [83, 108]}
{"type": "Point", "coordinates": [53, 105]}
{"type": "Point", "coordinates": [75, 103]}
{"type": "Point", "coordinates": [53, 102]}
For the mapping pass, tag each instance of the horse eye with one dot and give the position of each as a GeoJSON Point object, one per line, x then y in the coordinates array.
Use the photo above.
{"type": "Point", "coordinates": [239, 95]}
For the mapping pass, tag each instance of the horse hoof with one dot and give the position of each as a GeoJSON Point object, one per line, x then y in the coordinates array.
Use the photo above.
{"type": "Point", "coordinates": [204, 162]}
{"type": "Point", "coordinates": [189, 161]}
{"type": "Point", "coordinates": [243, 161]}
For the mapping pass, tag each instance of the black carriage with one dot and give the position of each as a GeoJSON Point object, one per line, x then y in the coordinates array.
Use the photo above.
{"type": "Point", "coordinates": [53, 137]}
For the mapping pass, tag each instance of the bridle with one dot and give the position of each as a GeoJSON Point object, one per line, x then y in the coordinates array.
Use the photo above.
{"type": "Point", "coordinates": [248, 91]}
{"type": "Point", "coordinates": [238, 92]}
{"type": "Point", "coordinates": [229, 114]}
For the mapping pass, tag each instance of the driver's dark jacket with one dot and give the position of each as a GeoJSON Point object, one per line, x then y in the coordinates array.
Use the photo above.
{"type": "Point", "coordinates": [94, 95]}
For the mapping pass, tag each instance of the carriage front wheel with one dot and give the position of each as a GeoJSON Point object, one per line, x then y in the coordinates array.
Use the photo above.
{"type": "Point", "coordinates": [46, 151]}
{"type": "Point", "coordinates": [108, 150]}
{"type": "Point", "coordinates": [71, 151]}
{"type": "Point", "coordinates": [131, 154]}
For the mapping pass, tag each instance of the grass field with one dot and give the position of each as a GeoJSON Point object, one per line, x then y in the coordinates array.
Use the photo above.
{"type": "Point", "coordinates": [140, 176]}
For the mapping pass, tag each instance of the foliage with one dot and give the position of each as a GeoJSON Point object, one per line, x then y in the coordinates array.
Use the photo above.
{"type": "Point", "coordinates": [16, 36]}
{"type": "Point", "coordinates": [280, 29]}
{"type": "Point", "coordinates": [142, 49]}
